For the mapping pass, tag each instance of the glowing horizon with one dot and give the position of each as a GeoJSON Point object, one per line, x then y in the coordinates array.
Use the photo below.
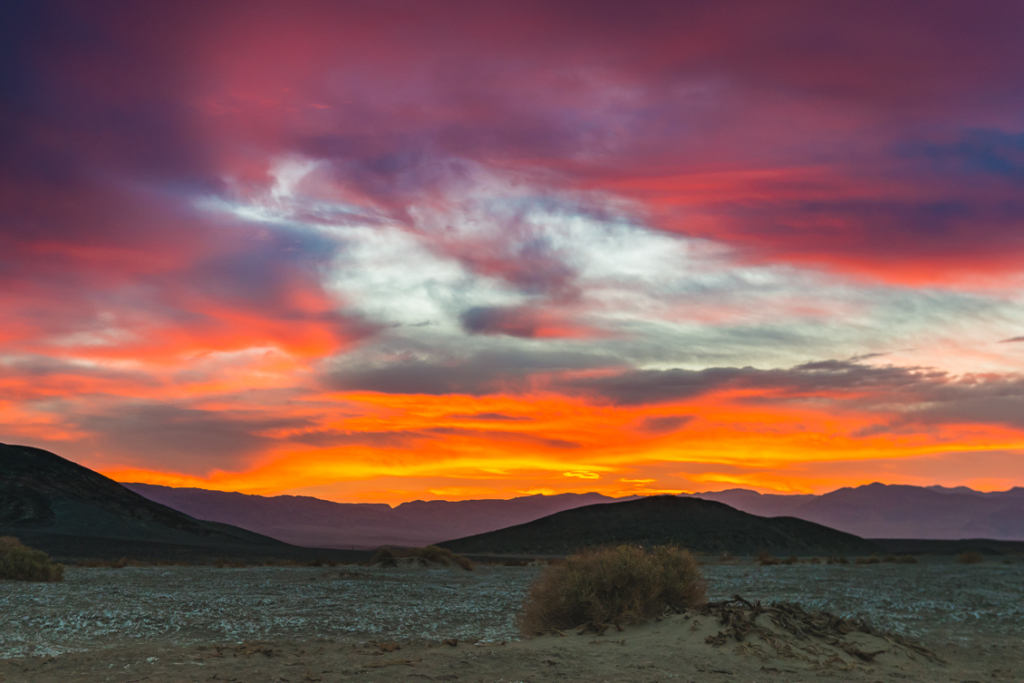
{"type": "Point", "coordinates": [388, 252]}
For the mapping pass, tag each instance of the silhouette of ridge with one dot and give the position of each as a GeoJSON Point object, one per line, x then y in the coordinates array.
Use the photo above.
{"type": "Point", "coordinates": [700, 525]}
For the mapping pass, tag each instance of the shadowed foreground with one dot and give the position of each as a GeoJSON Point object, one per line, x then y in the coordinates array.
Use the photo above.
{"type": "Point", "coordinates": [335, 624]}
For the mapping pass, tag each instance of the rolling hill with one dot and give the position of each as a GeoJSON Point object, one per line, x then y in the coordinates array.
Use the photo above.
{"type": "Point", "coordinates": [71, 511]}
{"type": "Point", "coordinates": [701, 525]}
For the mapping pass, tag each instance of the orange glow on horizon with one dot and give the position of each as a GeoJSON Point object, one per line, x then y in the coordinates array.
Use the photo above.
{"type": "Point", "coordinates": [558, 445]}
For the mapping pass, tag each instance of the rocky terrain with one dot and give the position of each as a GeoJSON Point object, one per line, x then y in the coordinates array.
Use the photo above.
{"type": "Point", "coordinates": [192, 623]}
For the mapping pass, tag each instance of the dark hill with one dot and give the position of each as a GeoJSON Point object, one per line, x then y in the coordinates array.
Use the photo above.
{"type": "Point", "coordinates": [70, 511]}
{"type": "Point", "coordinates": [700, 525]}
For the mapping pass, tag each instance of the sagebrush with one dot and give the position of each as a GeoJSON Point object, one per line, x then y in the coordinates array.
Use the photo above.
{"type": "Point", "coordinates": [389, 557]}
{"type": "Point", "coordinates": [623, 585]}
{"type": "Point", "coordinates": [970, 558]}
{"type": "Point", "coordinates": [20, 563]}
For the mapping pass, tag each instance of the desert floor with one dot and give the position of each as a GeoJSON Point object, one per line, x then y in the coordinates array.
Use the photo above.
{"type": "Point", "coordinates": [367, 624]}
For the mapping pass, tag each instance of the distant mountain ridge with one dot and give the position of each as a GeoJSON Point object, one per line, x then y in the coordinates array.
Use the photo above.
{"type": "Point", "coordinates": [871, 511]}
{"type": "Point", "coordinates": [895, 511]}
{"type": "Point", "coordinates": [304, 520]}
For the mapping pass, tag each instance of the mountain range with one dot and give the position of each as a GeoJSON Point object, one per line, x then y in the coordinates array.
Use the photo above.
{"type": "Point", "coordinates": [304, 520]}
{"type": "Point", "coordinates": [872, 511]}
{"type": "Point", "coordinates": [895, 511]}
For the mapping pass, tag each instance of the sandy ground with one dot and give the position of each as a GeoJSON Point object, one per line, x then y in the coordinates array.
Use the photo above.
{"type": "Point", "coordinates": [306, 624]}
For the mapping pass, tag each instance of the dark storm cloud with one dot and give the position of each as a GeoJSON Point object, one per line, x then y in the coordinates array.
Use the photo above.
{"type": "Point", "coordinates": [991, 152]}
{"type": "Point", "coordinates": [511, 321]}
{"type": "Point", "coordinates": [913, 395]}
{"type": "Point", "coordinates": [508, 437]}
{"type": "Point", "coordinates": [482, 373]}
{"type": "Point", "coordinates": [640, 387]}
{"type": "Point", "coordinates": [665, 424]}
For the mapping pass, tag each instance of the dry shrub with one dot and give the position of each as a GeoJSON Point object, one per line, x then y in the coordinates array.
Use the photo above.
{"type": "Point", "coordinates": [389, 557]}
{"type": "Point", "coordinates": [385, 557]}
{"type": "Point", "coordinates": [93, 563]}
{"type": "Point", "coordinates": [969, 558]}
{"type": "Point", "coordinates": [225, 563]}
{"type": "Point", "coordinates": [867, 560]}
{"type": "Point", "coordinates": [837, 560]}
{"type": "Point", "coordinates": [765, 559]}
{"type": "Point", "coordinates": [21, 563]}
{"type": "Point", "coordinates": [612, 586]}
{"type": "Point", "coordinates": [443, 556]}
{"type": "Point", "coordinates": [900, 559]}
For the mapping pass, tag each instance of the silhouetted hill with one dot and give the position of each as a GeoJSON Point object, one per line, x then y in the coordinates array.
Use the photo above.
{"type": "Point", "coordinates": [304, 520]}
{"type": "Point", "coordinates": [70, 511]}
{"type": "Point", "coordinates": [700, 525]}
{"type": "Point", "coordinates": [895, 511]}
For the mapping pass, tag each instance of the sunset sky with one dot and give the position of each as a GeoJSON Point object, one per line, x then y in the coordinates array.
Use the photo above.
{"type": "Point", "coordinates": [381, 251]}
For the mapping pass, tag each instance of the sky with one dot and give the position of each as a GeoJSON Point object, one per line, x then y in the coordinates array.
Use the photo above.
{"type": "Point", "coordinates": [385, 251]}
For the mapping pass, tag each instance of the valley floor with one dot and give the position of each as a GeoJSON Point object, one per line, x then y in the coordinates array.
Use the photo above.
{"type": "Point", "coordinates": [341, 623]}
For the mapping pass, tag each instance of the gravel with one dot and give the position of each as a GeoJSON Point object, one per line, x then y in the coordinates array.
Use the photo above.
{"type": "Point", "coordinates": [937, 602]}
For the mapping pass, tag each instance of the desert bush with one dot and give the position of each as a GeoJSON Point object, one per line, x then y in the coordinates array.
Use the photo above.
{"type": "Point", "coordinates": [21, 563]}
{"type": "Point", "coordinates": [612, 586]}
{"type": "Point", "coordinates": [900, 559]}
{"type": "Point", "coordinates": [765, 559]}
{"type": "Point", "coordinates": [837, 560]}
{"type": "Point", "coordinates": [385, 557]}
{"type": "Point", "coordinates": [969, 558]}
{"type": "Point", "coordinates": [813, 560]}
{"type": "Point", "coordinates": [867, 560]}
{"type": "Point", "coordinates": [225, 563]}
{"type": "Point", "coordinates": [389, 557]}
{"type": "Point", "coordinates": [443, 556]}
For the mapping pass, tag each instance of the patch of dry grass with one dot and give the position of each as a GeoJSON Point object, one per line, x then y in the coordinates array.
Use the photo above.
{"type": "Point", "coordinates": [431, 554]}
{"type": "Point", "coordinates": [21, 563]}
{"type": "Point", "coordinates": [612, 586]}
{"type": "Point", "coordinates": [970, 558]}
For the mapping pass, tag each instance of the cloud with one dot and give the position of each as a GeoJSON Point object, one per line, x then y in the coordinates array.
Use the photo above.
{"type": "Point", "coordinates": [520, 321]}
{"type": "Point", "coordinates": [606, 207]}
{"type": "Point", "coordinates": [664, 424]}
{"type": "Point", "coordinates": [480, 373]}
{"type": "Point", "coordinates": [912, 396]}
{"type": "Point", "coordinates": [488, 416]}
{"type": "Point", "coordinates": [192, 440]}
